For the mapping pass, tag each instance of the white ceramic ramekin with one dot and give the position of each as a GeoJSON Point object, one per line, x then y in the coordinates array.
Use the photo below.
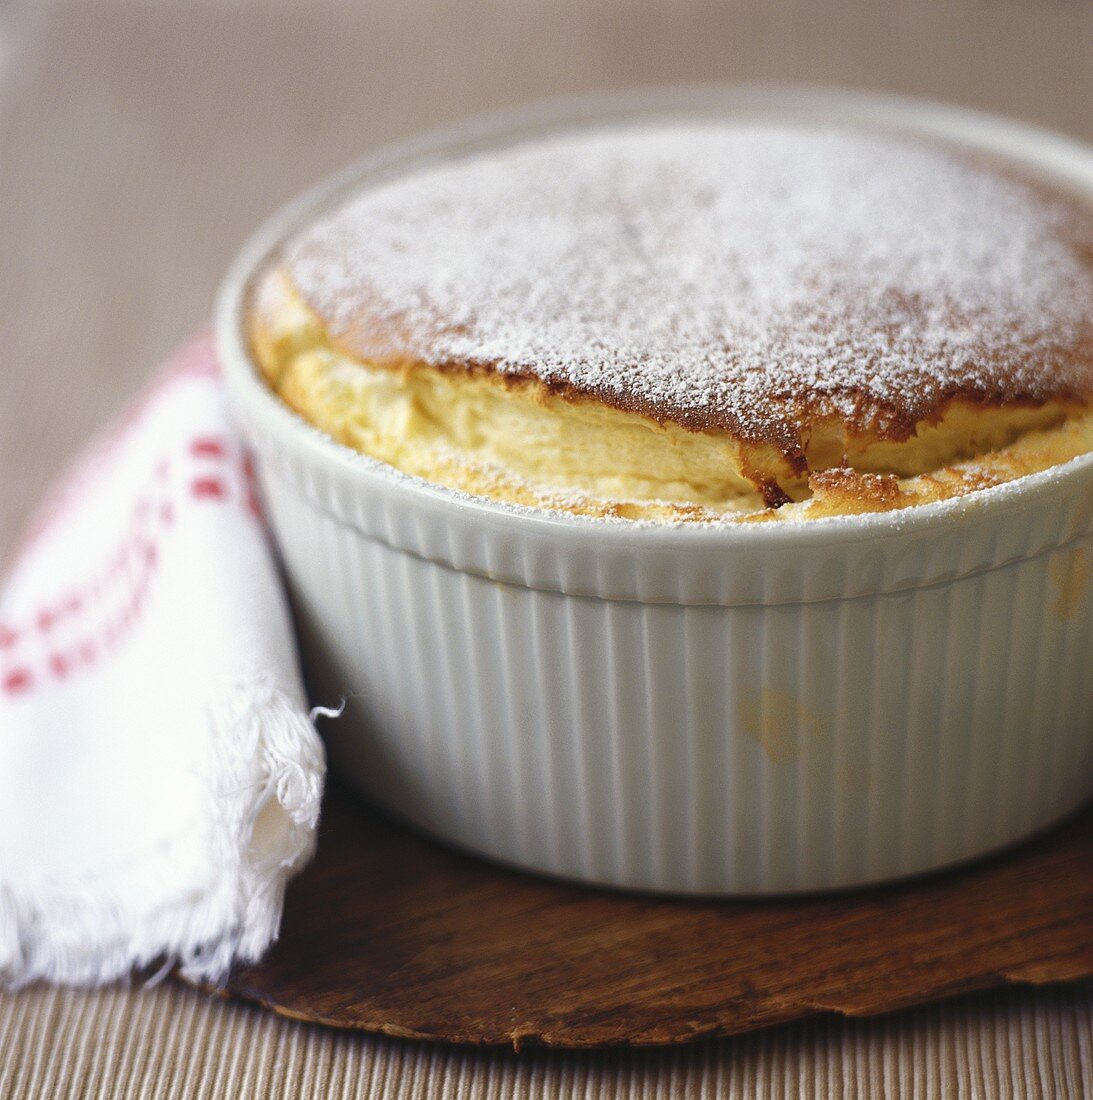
{"type": "Point", "coordinates": [743, 709]}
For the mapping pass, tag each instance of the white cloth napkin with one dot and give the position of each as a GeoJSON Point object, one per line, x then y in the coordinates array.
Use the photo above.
{"type": "Point", "coordinates": [160, 776]}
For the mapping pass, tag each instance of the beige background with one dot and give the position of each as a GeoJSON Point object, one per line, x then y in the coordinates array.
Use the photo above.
{"type": "Point", "coordinates": [141, 141]}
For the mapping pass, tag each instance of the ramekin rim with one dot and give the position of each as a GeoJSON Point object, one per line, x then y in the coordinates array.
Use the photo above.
{"type": "Point", "coordinates": [497, 128]}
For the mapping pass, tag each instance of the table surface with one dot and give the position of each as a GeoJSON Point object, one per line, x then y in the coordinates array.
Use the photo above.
{"type": "Point", "coordinates": [142, 140]}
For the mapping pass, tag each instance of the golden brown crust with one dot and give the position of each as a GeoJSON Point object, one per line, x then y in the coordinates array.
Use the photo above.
{"type": "Point", "coordinates": [363, 319]}
{"type": "Point", "coordinates": [843, 491]}
{"type": "Point", "coordinates": [508, 439]}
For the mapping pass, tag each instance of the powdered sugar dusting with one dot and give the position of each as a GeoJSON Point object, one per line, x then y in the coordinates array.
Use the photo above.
{"type": "Point", "coordinates": [747, 276]}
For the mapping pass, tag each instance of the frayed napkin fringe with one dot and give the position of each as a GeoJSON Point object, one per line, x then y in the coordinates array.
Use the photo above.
{"type": "Point", "coordinates": [264, 795]}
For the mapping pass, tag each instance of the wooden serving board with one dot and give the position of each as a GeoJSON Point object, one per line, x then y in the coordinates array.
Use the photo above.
{"type": "Point", "coordinates": [389, 932]}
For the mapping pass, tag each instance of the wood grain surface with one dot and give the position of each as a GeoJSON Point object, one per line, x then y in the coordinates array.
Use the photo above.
{"type": "Point", "coordinates": [391, 932]}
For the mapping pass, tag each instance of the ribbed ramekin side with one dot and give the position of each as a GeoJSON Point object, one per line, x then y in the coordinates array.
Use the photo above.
{"type": "Point", "coordinates": [736, 749]}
